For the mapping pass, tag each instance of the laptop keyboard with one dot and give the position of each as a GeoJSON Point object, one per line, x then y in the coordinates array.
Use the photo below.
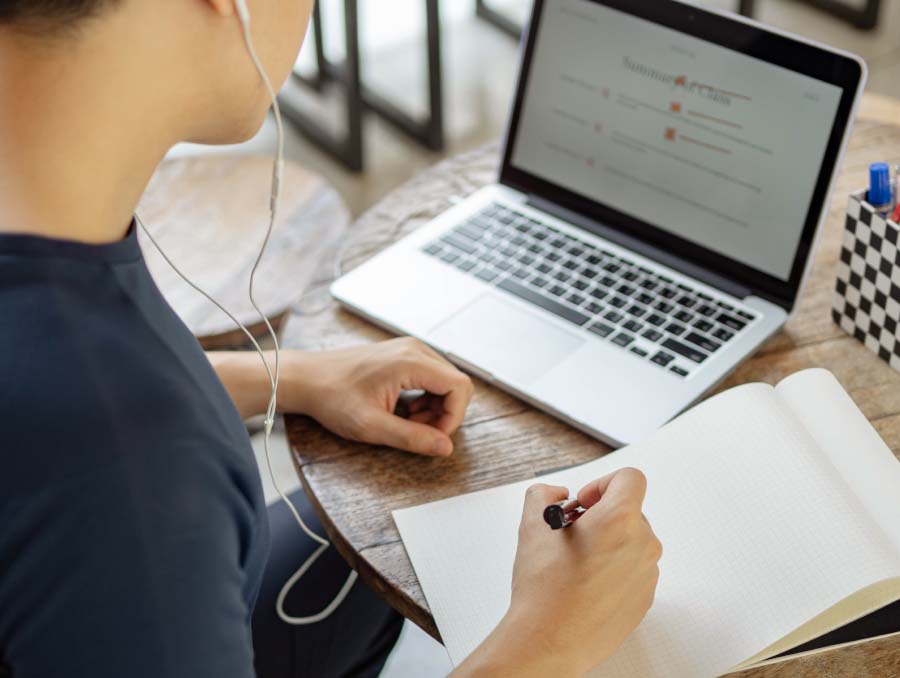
{"type": "Point", "coordinates": [668, 323]}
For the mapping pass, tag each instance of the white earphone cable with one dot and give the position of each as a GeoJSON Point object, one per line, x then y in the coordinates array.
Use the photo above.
{"type": "Point", "coordinates": [273, 375]}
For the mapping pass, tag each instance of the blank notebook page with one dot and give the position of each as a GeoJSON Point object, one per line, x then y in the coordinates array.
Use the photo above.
{"type": "Point", "coordinates": [760, 535]}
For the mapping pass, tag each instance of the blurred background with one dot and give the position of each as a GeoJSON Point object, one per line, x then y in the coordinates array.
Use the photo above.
{"type": "Point", "coordinates": [407, 112]}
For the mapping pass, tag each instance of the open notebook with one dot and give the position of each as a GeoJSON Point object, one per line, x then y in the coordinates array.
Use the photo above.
{"type": "Point", "coordinates": [778, 509]}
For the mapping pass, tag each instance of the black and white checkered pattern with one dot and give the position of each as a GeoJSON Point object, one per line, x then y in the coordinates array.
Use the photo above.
{"type": "Point", "coordinates": [867, 296]}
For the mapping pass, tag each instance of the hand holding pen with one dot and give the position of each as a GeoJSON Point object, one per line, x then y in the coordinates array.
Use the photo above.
{"type": "Point", "coordinates": [580, 591]}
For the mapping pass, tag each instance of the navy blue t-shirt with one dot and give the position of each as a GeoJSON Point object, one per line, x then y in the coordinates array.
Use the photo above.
{"type": "Point", "coordinates": [133, 529]}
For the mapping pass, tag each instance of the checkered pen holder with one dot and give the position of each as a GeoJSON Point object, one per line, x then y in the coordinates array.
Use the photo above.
{"type": "Point", "coordinates": [867, 295]}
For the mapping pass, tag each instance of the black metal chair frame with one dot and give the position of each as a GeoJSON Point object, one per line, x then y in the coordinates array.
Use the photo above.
{"type": "Point", "coordinates": [359, 99]}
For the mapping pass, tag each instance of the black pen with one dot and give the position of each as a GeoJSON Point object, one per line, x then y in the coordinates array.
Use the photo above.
{"type": "Point", "coordinates": [562, 513]}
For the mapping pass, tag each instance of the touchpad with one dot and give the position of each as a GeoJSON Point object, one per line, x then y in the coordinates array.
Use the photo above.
{"type": "Point", "coordinates": [505, 341]}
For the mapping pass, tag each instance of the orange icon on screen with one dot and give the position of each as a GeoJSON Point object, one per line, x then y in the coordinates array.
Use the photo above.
{"type": "Point", "coordinates": [670, 134]}
{"type": "Point", "coordinates": [675, 107]}
{"type": "Point", "coordinates": [681, 80]}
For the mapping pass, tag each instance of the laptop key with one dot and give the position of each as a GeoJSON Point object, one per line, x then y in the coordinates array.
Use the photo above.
{"type": "Point", "coordinates": [562, 276]}
{"type": "Point", "coordinates": [450, 257]}
{"type": "Point", "coordinates": [607, 281]}
{"type": "Point", "coordinates": [557, 290]}
{"type": "Point", "coordinates": [576, 299]}
{"type": "Point", "coordinates": [554, 257]}
{"type": "Point", "coordinates": [522, 273]}
{"type": "Point", "coordinates": [707, 345]}
{"type": "Point", "coordinates": [731, 321]}
{"type": "Point", "coordinates": [618, 302]}
{"type": "Point", "coordinates": [580, 285]}
{"type": "Point", "coordinates": [543, 302]}
{"type": "Point", "coordinates": [433, 249]}
{"type": "Point", "coordinates": [614, 317]}
{"type": "Point", "coordinates": [466, 265]}
{"type": "Point", "coordinates": [688, 352]}
{"type": "Point", "coordinates": [675, 328]}
{"type": "Point", "coordinates": [590, 273]}
{"type": "Point", "coordinates": [687, 302]}
{"type": "Point", "coordinates": [633, 326]}
{"type": "Point", "coordinates": [639, 351]}
{"type": "Point", "coordinates": [703, 325]}
{"type": "Point", "coordinates": [722, 334]}
{"type": "Point", "coordinates": [652, 335]}
{"type": "Point", "coordinates": [637, 311]}
{"type": "Point", "coordinates": [459, 243]}
{"type": "Point", "coordinates": [656, 320]}
{"type": "Point", "coordinates": [544, 268]}
{"type": "Point", "coordinates": [601, 329]}
{"type": "Point", "coordinates": [746, 316]}
{"type": "Point", "coordinates": [664, 307]}
{"type": "Point", "coordinates": [663, 358]}
{"type": "Point", "coordinates": [622, 339]}
{"type": "Point", "coordinates": [540, 282]}
{"type": "Point", "coordinates": [487, 275]}
{"type": "Point", "coordinates": [706, 310]}
{"type": "Point", "coordinates": [594, 308]}
{"type": "Point", "coordinates": [684, 316]}
{"type": "Point", "coordinates": [597, 293]}
{"type": "Point", "coordinates": [679, 371]}
{"type": "Point", "coordinates": [470, 231]}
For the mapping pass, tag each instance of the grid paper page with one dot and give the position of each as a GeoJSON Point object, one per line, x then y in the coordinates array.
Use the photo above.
{"type": "Point", "coordinates": [759, 537]}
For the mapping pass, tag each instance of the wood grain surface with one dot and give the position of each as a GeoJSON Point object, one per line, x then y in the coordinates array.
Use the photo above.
{"type": "Point", "coordinates": [355, 487]}
{"type": "Point", "coordinates": [209, 214]}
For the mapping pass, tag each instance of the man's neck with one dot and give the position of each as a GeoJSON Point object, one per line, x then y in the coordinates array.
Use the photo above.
{"type": "Point", "coordinates": [76, 150]}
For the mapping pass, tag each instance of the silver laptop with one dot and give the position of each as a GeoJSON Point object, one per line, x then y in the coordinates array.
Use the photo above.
{"type": "Point", "coordinates": [665, 173]}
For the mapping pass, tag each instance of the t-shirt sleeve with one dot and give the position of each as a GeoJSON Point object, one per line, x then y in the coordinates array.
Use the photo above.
{"type": "Point", "coordinates": [128, 570]}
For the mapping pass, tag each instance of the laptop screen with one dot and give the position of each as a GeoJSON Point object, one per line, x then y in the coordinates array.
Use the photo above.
{"type": "Point", "coordinates": [708, 143]}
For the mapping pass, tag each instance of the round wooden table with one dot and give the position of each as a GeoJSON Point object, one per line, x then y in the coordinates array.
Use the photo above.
{"type": "Point", "coordinates": [209, 214]}
{"type": "Point", "coordinates": [355, 487]}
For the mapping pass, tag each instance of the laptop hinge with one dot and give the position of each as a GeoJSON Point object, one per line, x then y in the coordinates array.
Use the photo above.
{"type": "Point", "coordinates": [681, 265]}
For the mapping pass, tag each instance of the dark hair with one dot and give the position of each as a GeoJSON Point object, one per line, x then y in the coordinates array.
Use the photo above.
{"type": "Point", "coordinates": [48, 15]}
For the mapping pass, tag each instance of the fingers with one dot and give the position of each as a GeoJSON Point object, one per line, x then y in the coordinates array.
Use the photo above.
{"type": "Point", "coordinates": [537, 498]}
{"type": "Point", "coordinates": [591, 493]}
{"type": "Point", "coordinates": [627, 486]}
{"type": "Point", "coordinates": [405, 434]}
{"type": "Point", "coordinates": [444, 380]}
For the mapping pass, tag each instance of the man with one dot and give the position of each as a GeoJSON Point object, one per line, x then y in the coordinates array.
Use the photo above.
{"type": "Point", "coordinates": [135, 540]}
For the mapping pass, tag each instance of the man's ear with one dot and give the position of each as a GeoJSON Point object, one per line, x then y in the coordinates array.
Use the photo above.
{"type": "Point", "coordinates": [222, 7]}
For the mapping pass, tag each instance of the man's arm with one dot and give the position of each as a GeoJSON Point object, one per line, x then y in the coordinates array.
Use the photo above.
{"type": "Point", "coordinates": [355, 392]}
{"type": "Point", "coordinates": [576, 594]}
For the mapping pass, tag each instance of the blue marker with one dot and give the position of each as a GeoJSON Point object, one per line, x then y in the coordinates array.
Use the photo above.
{"type": "Point", "coordinates": [880, 194]}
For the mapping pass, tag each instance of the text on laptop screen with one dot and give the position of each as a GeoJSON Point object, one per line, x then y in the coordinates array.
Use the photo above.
{"type": "Point", "coordinates": [712, 145]}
